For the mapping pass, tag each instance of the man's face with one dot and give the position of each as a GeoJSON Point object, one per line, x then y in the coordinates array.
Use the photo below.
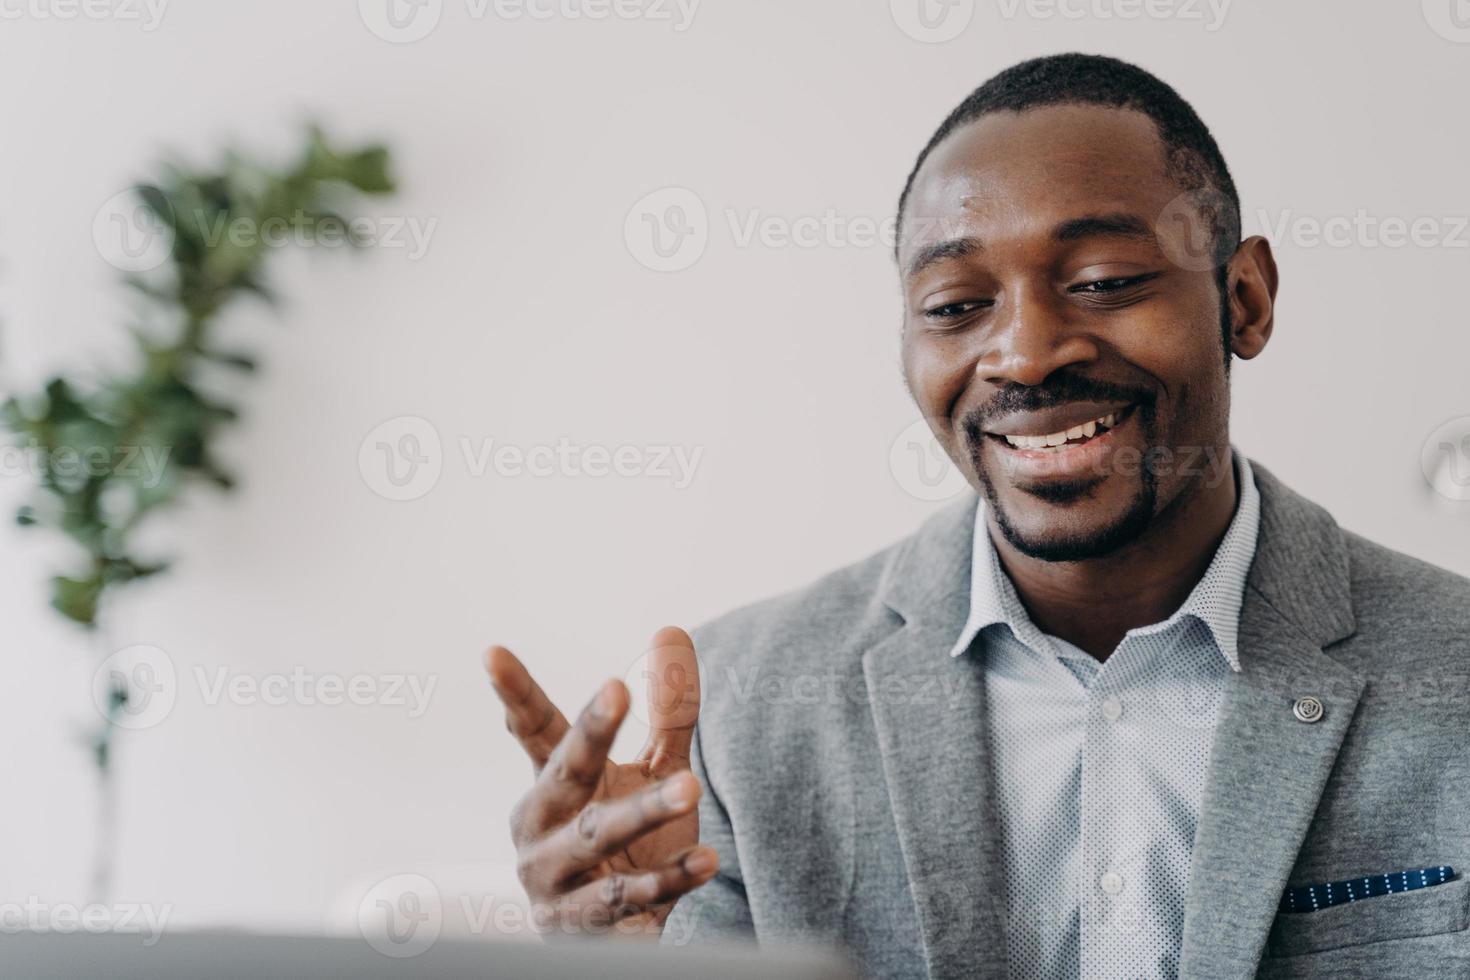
{"type": "Point", "coordinates": [1041, 301]}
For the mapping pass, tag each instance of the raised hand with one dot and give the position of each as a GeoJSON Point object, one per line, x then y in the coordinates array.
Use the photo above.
{"type": "Point", "coordinates": [603, 847]}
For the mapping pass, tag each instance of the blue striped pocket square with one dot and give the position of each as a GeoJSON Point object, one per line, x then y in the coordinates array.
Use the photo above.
{"type": "Point", "coordinates": [1313, 898]}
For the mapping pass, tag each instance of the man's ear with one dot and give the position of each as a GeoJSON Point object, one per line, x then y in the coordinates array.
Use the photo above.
{"type": "Point", "coordinates": [1252, 288]}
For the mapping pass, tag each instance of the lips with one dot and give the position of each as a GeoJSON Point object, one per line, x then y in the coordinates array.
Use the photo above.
{"type": "Point", "coordinates": [1065, 443]}
{"type": "Point", "coordinates": [1057, 425]}
{"type": "Point", "coordinates": [1057, 440]}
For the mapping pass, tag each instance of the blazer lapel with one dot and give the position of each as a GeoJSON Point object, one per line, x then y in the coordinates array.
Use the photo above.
{"type": "Point", "coordinates": [928, 712]}
{"type": "Point", "coordinates": [1268, 768]}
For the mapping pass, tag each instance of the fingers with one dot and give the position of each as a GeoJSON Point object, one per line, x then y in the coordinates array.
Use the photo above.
{"type": "Point", "coordinates": [529, 714]}
{"type": "Point", "coordinates": [603, 829]}
{"type": "Point", "coordinates": [673, 699]}
{"type": "Point", "coordinates": [576, 766]}
{"type": "Point", "coordinates": [618, 896]}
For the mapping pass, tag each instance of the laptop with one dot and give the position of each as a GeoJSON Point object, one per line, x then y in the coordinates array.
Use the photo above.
{"type": "Point", "coordinates": [238, 956]}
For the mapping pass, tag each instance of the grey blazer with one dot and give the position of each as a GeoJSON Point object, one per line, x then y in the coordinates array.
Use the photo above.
{"type": "Point", "coordinates": [844, 762]}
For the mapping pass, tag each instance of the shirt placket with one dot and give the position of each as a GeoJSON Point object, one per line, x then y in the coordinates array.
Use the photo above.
{"type": "Point", "coordinates": [1108, 887]}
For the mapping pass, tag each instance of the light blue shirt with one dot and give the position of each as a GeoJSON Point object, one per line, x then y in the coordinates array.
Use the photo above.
{"type": "Point", "coordinates": [1098, 768]}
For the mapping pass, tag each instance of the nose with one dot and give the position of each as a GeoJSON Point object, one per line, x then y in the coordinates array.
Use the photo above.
{"type": "Point", "coordinates": [1033, 338]}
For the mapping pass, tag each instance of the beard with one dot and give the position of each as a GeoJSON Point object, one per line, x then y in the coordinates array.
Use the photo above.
{"type": "Point", "coordinates": [1097, 541]}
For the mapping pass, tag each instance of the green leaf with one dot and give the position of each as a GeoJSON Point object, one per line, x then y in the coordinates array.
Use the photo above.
{"type": "Point", "coordinates": [157, 202]}
{"type": "Point", "coordinates": [118, 447]}
{"type": "Point", "coordinates": [76, 599]}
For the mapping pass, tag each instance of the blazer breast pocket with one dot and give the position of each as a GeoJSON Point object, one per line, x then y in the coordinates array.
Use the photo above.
{"type": "Point", "coordinates": [1400, 915]}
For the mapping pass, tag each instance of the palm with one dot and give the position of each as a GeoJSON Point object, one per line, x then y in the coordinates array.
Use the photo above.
{"type": "Point", "coordinates": [655, 848]}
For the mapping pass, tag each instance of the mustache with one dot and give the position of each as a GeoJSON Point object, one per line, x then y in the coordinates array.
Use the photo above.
{"type": "Point", "coordinates": [1061, 389]}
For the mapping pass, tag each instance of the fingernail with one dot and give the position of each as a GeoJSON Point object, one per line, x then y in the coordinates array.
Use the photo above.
{"type": "Point", "coordinates": [700, 862]}
{"type": "Point", "coordinates": [602, 705]}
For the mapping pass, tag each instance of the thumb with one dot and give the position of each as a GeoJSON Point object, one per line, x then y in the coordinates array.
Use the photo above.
{"type": "Point", "coordinates": [673, 699]}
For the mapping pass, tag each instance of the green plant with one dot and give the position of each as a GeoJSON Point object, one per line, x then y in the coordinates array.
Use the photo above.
{"type": "Point", "coordinates": [90, 440]}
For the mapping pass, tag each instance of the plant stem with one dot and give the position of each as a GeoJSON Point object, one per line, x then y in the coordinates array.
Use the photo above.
{"type": "Point", "coordinates": [104, 844]}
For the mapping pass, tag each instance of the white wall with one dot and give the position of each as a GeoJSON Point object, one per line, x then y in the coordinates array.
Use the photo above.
{"type": "Point", "coordinates": [529, 320]}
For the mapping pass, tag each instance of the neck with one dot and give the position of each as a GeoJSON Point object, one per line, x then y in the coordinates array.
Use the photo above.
{"type": "Point", "coordinates": [1093, 603]}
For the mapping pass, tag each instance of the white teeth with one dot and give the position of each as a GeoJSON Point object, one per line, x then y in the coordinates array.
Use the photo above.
{"type": "Point", "coordinates": [1084, 431]}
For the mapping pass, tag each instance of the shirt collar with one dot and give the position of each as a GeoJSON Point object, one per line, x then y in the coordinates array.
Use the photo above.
{"type": "Point", "coordinates": [1215, 599]}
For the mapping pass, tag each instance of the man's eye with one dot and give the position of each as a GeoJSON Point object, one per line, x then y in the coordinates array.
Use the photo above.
{"type": "Point", "coordinates": [953, 311]}
{"type": "Point", "coordinates": [1099, 286]}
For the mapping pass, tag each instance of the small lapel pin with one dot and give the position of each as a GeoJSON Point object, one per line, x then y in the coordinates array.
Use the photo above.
{"type": "Point", "coordinates": [1308, 709]}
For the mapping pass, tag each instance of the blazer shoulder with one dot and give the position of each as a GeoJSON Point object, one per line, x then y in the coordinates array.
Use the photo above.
{"type": "Point", "coordinates": [807, 624]}
{"type": "Point", "coordinates": [1406, 603]}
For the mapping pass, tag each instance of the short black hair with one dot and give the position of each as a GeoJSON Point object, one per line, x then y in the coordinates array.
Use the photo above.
{"type": "Point", "coordinates": [1193, 158]}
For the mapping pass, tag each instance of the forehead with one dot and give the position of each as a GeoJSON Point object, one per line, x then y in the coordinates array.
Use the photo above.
{"type": "Point", "coordinates": [1025, 172]}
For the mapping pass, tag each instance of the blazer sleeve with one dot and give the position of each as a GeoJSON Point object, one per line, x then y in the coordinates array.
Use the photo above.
{"type": "Point", "coordinates": [718, 910]}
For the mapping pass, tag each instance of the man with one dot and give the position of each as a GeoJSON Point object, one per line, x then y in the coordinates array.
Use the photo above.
{"type": "Point", "coordinates": [1135, 709]}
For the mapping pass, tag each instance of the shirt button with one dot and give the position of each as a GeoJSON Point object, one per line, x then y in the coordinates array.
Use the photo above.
{"type": "Point", "coordinates": [1111, 883]}
{"type": "Point", "coordinates": [1112, 708]}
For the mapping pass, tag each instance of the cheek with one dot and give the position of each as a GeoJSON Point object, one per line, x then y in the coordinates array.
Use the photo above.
{"type": "Point", "coordinates": [1174, 341]}
{"type": "Point", "coordinates": [1180, 345]}
{"type": "Point", "coordinates": [936, 375]}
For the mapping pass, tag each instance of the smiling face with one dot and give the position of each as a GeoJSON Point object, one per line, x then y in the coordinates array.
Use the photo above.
{"type": "Point", "coordinates": [1073, 371]}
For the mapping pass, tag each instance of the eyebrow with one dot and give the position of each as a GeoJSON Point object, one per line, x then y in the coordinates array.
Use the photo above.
{"type": "Point", "coordinates": [1113, 225]}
